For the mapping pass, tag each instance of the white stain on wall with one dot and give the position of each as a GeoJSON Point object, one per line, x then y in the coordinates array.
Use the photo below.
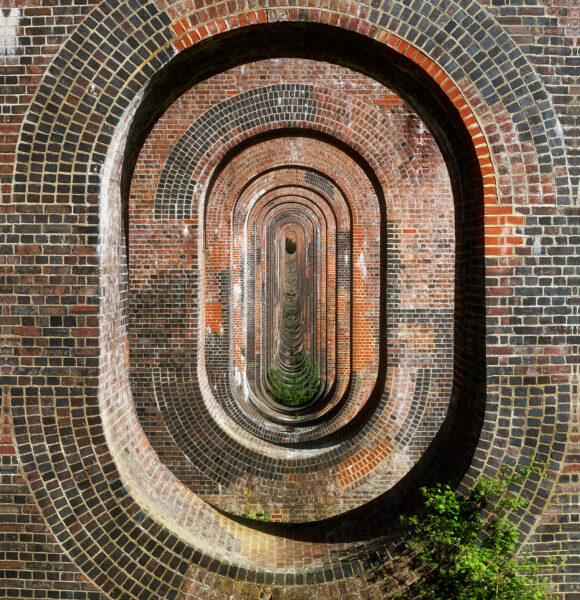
{"type": "Point", "coordinates": [360, 263]}
{"type": "Point", "coordinates": [9, 19]}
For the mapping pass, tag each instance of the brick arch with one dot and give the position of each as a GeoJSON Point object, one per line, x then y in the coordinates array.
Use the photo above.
{"type": "Point", "coordinates": [317, 209]}
{"type": "Point", "coordinates": [459, 453]}
{"type": "Point", "coordinates": [290, 215]}
{"type": "Point", "coordinates": [382, 450]}
{"type": "Point", "coordinates": [266, 154]}
{"type": "Point", "coordinates": [183, 151]}
{"type": "Point", "coordinates": [154, 23]}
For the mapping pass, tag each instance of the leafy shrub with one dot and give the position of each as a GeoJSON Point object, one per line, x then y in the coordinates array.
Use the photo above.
{"type": "Point", "coordinates": [465, 544]}
{"type": "Point", "coordinates": [259, 516]}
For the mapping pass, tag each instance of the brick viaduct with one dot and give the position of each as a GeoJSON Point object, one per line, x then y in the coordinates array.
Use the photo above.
{"type": "Point", "coordinates": [158, 158]}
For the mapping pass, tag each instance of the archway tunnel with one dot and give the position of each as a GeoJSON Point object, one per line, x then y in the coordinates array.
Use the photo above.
{"type": "Point", "coordinates": [292, 295]}
{"type": "Point", "coordinates": [366, 171]}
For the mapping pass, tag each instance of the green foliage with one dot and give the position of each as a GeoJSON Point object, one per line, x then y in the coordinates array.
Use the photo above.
{"type": "Point", "coordinates": [296, 388]}
{"type": "Point", "coordinates": [297, 358]}
{"type": "Point", "coordinates": [465, 544]}
{"type": "Point", "coordinates": [291, 318]}
{"type": "Point", "coordinates": [259, 516]}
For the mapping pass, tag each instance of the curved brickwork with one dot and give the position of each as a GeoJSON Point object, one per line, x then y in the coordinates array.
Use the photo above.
{"type": "Point", "coordinates": [285, 216]}
{"type": "Point", "coordinates": [132, 526]}
{"type": "Point", "coordinates": [284, 495]}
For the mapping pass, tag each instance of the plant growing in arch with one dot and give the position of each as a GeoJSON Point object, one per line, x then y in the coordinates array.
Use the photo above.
{"type": "Point", "coordinates": [464, 544]}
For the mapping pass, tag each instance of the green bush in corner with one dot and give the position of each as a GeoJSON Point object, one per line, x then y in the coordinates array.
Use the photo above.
{"type": "Point", "coordinates": [465, 544]}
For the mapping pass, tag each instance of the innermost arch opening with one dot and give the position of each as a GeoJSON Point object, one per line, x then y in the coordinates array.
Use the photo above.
{"type": "Point", "coordinates": [293, 275]}
{"type": "Point", "coordinates": [290, 245]}
{"type": "Point", "coordinates": [293, 380]}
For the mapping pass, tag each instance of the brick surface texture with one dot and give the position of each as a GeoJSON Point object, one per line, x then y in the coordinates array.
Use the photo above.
{"type": "Point", "coordinates": [156, 159]}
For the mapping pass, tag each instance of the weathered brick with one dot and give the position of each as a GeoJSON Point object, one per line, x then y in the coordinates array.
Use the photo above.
{"type": "Point", "coordinates": [114, 470]}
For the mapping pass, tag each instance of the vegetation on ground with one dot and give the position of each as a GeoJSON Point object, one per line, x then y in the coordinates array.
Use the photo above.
{"type": "Point", "coordinates": [297, 382]}
{"type": "Point", "coordinates": [294, 389]}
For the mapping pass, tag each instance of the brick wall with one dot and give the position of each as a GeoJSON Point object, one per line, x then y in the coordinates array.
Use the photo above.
{"type": "Point", "coordinates": [152, 154]}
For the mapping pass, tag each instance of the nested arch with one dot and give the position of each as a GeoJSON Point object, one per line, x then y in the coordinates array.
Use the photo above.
{"type": "Point", "coordinates": [293, 214]}
{"type": "Point", "coordinates": [218, 251]}
{"type": "Point", "coordinates": [343, 435]}
{"type": "Point", "coordinates": [468, 194]}
{"type": "Point", "coordinates": [197, 168]}
{"type": "Point", "coordinates": [196, 173]}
